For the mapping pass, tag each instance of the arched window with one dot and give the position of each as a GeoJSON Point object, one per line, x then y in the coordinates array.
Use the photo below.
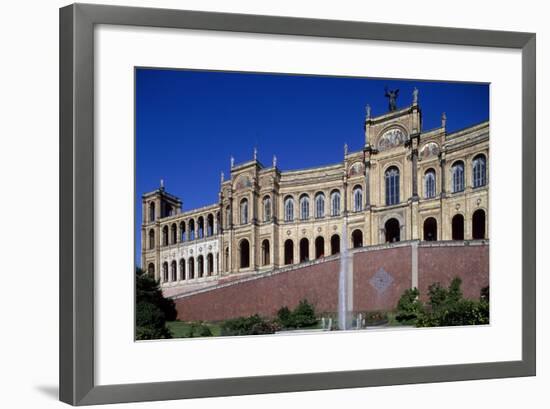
{"type": "Point", "coordinates": [210, 224]}
{"type": "Point", "coordinates": [210, 264]}
{"type": "Point", "coordinates": [200, 266]}
{"type": "Point", "coordinates": [289, 252]}
{"type": "Point", "coordinates": [174, 270]}
{"type": "Point", "coordinates": [457, 171]}
{"type": "Point", "coordinates": [165, 236]}
{"type": "Point", "coordinates": [430, 229]}
{"type": "Point", "coordinates": [392, 186]}
{"type": "Point", "coordinates": [319, 247]}
{"type": "Point", "coordinates": [267, 209]}
{"type": "Point", "coordinates": [289, 209]}
{"type": "Point", "coordinates": [191, 269]}
{"type": "Point", "coordinates": [174, 233]}
{"type": "Point", "coordinates": [479, 170]}
{"type": "Point", "coordinates": [478, 224]}
{"type": "Point", "coordinates": [165, 271]}
{"type": "Point", "coordinates": [393, 231]}
{"type": "Point", "coordinates": [304, 250]}
{"type": "Point", "coordinates": [319, 205]}
{"type": "Point", "coordinates": [191, 233]}
{"type": "Point", "coordinates": [335, 244]}
{"type": "Point", "coordinates": [429, 184]}
{"type": "Point", "coordinates": [244, 252]}
{"type": "Point", "coordinates": [304, 207]}
{"type": "Point", "coordinates": [200, 227]}
{"type": "Point", "coordinates": [335, 203]}
{"type": "Point", "coordinates": [266, 260]}
{"type": "Point", "coordinates": [151, 239]}
{"type": "Point", "coordinates": [357, 199]}
{"type": "Point", "coordinates": [182, 269]}
{"type": "Point", "coordinates": [151, 270]}
{"type": "Point", "coordinates": [458, 227]}
{"type": "Point", "coordinates": [168, 210]}
{"type": "Point", "coordinates": [244, 211]}
{"type": "Point", "coordinates": [182, 231]}
{"type": "Point", "coordinates": [357, 238]}
{"type": "Point", "coordinates": [152, 211]}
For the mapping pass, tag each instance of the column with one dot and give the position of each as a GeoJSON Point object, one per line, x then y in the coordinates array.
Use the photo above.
{"type": "Point", "coordinates": [443, 177]}
{"type": "Point", "coordinates": [367, 185]}
{"type": "Point", "coordinates": [414, 170]}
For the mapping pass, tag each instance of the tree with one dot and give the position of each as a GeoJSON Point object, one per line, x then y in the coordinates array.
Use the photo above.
{"type": "Point", "coordinates": [152, 309]}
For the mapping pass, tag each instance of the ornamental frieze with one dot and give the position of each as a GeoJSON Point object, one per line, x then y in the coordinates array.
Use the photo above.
{"type": "Point", "coordinates": [356, 169]}
{"type": "Point", "coordinates": [429, 150]}
{"type": "Point", "coordinates": [391, 138]}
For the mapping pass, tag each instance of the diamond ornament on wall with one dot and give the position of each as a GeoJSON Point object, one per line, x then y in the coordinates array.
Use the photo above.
{"type": "Point", "coordinates": [381, 281]}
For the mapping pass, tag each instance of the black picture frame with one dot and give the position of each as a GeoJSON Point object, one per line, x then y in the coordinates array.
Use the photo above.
{"type": "Point", "coordinates": [77, 386]}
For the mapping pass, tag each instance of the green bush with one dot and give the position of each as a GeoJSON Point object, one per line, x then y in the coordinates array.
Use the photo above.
{"type": "Point", "coordinates": [253, 325]}
{"type": "Point", "coordinates": [409, 306]}
{"type": "Point", "coordinates": [302, 316]}
{"type": "Point", "coordinates": [198, 329]}
{"type": "Point", "coordinates": [284, 315]}
{"type": "Point", "coordinates": [447, 307]}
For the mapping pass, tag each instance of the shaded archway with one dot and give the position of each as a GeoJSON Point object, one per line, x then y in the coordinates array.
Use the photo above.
{"type": "Point", "coordinates": [210, 224]}
{"type": "Point", "coordinates": [210, 264]}
{"type": "Point", "coordinates": [244, 253]}
{"type": "Point", "coordinates": [478, 225]}
{"type": "Point", "coordinates": [200, 266]}
{"type": "Point", "coordinates": [191, 269]}
{"type": "Point", "coordinates": [200, 227]}
{"type": "Point", "coordinates": [393, 231]}
{"type": "Point", "coordinates": [227, 259]}
{"type": "Point", "coordinates": [191, 232]}
{"type": "Point", "coordinates": [335, 244]}
{"type": "Point", "coordinates": [266, 258]}
{"type": "Point", "coordinates": [173, 233]}
{"type": "Point", "coordinates": [289, 251]}
{"type": "Point", "coordinates": [151, 239]}
{"type": "Point", "coordinates": [357, 238]}
{"type": "Point", "coordinates": [430, 229]}
{"type": "Point", "coordinates": [165, 271]}
{"type": "Point", "coordinates": [174, 270]}
{"type": "Point", "coordinates": [152, 212]}
{"type": "Point", "coordinates": [458, 227]}
{"type": "Point", "coordinates": [165, 236]}
{"type": "Point", "coordinates": [319, 247]}
{"type": "Point", "coordinates": [304, 250]}
{"type": "Point", "coordinates": [151, 270]}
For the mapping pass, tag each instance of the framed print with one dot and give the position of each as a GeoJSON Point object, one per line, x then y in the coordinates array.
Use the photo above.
{"type": "Point", "coordinates": [278, 204]}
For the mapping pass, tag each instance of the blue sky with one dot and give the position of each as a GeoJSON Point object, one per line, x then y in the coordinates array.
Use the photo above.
{"type": "Point", "coordinates": [189, 123]}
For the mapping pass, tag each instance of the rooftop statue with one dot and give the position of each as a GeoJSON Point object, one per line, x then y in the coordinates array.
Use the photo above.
{"type": "Point", "coordinates": [392, 98]}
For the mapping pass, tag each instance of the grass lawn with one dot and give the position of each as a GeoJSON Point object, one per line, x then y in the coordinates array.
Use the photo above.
{"type": "Point", "coordinates": [182, 329]}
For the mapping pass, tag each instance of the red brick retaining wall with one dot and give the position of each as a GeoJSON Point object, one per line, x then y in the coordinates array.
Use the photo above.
{"type": "Point", "coordinates": [442, 264]}
{"type": "Point", "coordinates": [381, 275]}
{"type": "Point", "coordinates": [396, 262]}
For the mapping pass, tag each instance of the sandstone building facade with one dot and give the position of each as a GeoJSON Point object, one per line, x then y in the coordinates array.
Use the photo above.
{"type": "Point", "coordinates": [405, 184]}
